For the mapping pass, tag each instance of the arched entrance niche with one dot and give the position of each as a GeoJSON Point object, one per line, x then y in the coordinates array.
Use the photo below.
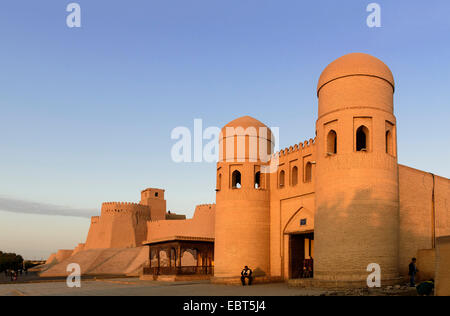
{"type": "Point", "coordinates": [298, 240]}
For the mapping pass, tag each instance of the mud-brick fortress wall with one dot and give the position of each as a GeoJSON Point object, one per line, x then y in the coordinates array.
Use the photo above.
{"type": "Point", "coordinates": [291, 199]}
{"type": "Point", "coordinates": [124, 224]}
{"type": "Point", "coordinates": [424, 212]}
{"type": "Point", "coordinates": [121, 225]}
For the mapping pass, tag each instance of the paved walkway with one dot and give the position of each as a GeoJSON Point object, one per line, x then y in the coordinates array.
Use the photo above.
{"type": "Point", "coordinates": [135, 287]}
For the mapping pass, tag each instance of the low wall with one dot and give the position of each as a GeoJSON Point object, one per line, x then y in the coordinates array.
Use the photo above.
{"type": "Point", "coordinates": [426, 264]}
{"type": "Point", "coordinates": [442, 277]}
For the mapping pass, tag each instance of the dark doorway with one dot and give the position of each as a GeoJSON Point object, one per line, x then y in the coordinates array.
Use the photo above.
{"type": "Point", "coordinates": [301, 255]}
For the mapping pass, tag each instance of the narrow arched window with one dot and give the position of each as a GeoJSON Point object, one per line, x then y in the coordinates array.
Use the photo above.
{"type": "Point", "coordinates": [332, 143]}
{"type": "Point", "coordinates": [308, 172]}
{"type": "Point", "coordinates": [294, 176]}
{"type": "Point", "coordinates": [258, 180]}
{"type": "Point", "coordinates": [362, 137]}
{"type": "Point", "coordinates": [389, 145]}
{"type": "Point", "coordinates": [236, 180]}
{"type": "Point", "coordinates": [219, 182]}
{"type": "Point", "coordinates": [281, 178]}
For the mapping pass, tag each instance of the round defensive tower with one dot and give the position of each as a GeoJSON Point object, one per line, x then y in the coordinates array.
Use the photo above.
{"type": "Point", "coordinates": [357, 198]}
{"type": "Point", "coordinates": [242, 200]}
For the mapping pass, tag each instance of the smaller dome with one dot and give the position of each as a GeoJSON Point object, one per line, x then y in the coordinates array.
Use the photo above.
{"type": "Point", "coordinates": [355, 64]}
{"type": "Point", "coordinates": [255, 135]}
{"type": "Point", "coordinates": [244, 122]}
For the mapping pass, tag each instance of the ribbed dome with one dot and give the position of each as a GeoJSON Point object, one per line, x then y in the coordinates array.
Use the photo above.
{"type": "Point", "coordinates": [355, 64]}
{"type": "Point", "coordinates": [254, 134]}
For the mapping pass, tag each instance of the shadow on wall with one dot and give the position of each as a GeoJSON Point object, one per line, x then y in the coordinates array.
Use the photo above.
{"type": "Point", "coordinates": [416, 241]}
{"type": "Point", "coordinates": [368, 228]}
{"type": "Point", "coordinates": [257, 272]}
{"type": "Point", "coordinates": [349, 231]}
{"type": "Point", "coordinates": [346, 208]}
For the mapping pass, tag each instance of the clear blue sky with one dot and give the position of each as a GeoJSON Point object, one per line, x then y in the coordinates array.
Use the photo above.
{"type": "Point", "coordinates": [86, 114]}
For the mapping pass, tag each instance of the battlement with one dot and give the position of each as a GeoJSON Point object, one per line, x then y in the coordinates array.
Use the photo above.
{"type": "Point", "coordinates": [125, 208]}
{"type": "Point", "coordinates": [206, 206]}
{"type": "Point", "coordinates": [307, 144]}
{"type": "Point", "coordinates": [95, 219]}
{"type": "Point", "coordinates": [119, 203]}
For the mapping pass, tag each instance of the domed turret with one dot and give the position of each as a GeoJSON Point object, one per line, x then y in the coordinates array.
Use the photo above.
{"type": "Point", "coordinates": [242, 210]}
{"type": "Point", "coordinates": [356, 164]}
{"type": "Point", "coordinates": [354, 78]}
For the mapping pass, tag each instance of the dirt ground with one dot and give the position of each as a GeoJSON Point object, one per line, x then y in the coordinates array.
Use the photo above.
{"type": "Point", "coordinates": [136, 287]}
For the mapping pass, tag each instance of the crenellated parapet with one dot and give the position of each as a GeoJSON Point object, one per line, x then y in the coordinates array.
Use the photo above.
{"type": "Point", "coordinates": [294, 170]}
{"type": "Point", "coordinates": [307, 147]}
{"type": "Point", "coordinates": [125, 209]}
{"type": "Point", "coordinates": [205, 206]}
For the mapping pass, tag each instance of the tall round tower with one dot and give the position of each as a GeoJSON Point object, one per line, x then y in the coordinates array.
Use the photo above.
{"type": "Point", "coordinates": [357, 199]}
{"type": "Point", "coordinates": [242, 200]}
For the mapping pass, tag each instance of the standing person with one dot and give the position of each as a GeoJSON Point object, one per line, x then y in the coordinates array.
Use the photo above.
{"type": "Point", "coordinates": [412, 272]}
{"type": "Point", "coordinates": [246, 273]}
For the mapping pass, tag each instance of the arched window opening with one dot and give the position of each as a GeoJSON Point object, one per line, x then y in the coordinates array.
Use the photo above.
{"type": "Point", "coordinates": [362, 136]}
{"type": "Point", "coordinates": [308, 172]}
{"type": "Point", "coordinates": [189, 257]}
{"type": "Point", "coordinates": [332, 143]}
{"type": "Point", "coordinates": [389, 145]}
{"type": "Point", "coordinates": [294, 176]}
{"type": "Point", "coordinates": [281, 178]}
{"type": "Point", "coordinates": [219, 182]}
{"type": "Point", "coordinates": [258, 180]}
{"type": "Point", "coordinates": [236, 180]}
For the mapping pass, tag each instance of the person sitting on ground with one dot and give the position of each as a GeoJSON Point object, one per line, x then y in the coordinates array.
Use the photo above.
{"type": "Point", "coordinates": [246, 273]}
{"type": "Point", "coordinates": [425, 288]}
